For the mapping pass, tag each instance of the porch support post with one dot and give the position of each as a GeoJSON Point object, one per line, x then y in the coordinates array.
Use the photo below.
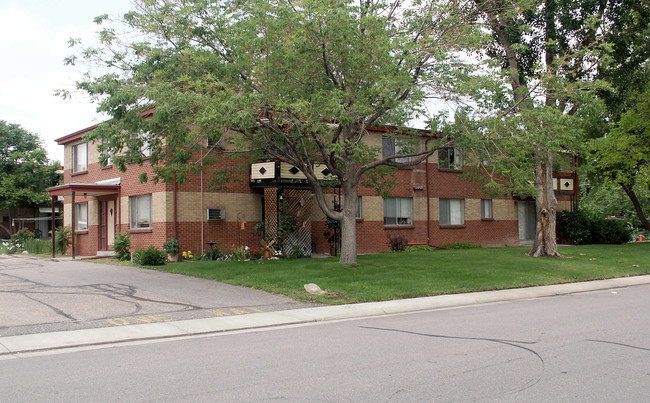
{"type": "Point", "coordinates": [73, 224]}
{"type": "Point", "coordinates": [53, 234]}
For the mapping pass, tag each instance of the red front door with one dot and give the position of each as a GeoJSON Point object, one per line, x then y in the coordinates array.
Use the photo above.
{"type": "Point", "coordinates": [103, 227]}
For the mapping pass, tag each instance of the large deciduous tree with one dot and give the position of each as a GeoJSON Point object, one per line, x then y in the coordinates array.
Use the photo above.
{"type": "Point", "coordinates": [25, 171]}
{"type": "Point", "coordinates": [621, 155]}
{"type": "Point", "coordinates": [533, 98]}
{"type": "Point", "coordinates": [301, 81]}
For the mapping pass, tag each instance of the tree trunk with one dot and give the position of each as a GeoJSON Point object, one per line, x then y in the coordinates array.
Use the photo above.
{"type": "Point", "coordinates": [349, 225]}
{"type": "Point", "coordinates": [545, 243]}
{"type": "Point", "coordinates": [637, 206]}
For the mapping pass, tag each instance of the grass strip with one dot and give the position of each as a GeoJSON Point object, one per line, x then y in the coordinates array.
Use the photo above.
{"type": "Point", "coordinates": [389, 276]}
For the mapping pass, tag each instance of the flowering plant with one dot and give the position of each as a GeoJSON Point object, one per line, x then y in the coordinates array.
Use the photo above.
{"type": "Point", "coordinates": [254, 253]}
{"type": "Point", "coordinates": [188, 255]}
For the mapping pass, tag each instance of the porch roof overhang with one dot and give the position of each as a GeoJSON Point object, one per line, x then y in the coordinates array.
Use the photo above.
{"type": "Point", "coordinates": [86, 189]}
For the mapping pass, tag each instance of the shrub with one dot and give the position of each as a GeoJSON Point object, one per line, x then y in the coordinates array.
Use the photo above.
{"type": "Point", "coordinates": [22, 235]}
{"type": "Point", "coordinates": [580, 228]}
{"type": "Point", "coordinates": [416, 248]}
{"type": "Point", "coordinates": [610, 232]}
{"type": "Point", "coordinates": [398, 243]}
{"type": "Point", "coordinates": [62, 240]}
{"type": "Point", "coordinates": [150, 257]}
{"type": "Point", "coordinates": [238, 254]}
{"type": "Point", "coordinates": [462, 245]}
{"type": "Point", "coordinates": [172, 247]}
{"type": "Point", "coordinates": [216, 253]}
{"type": "Point", "coordinates": [573, 227]}
{"type": "Point", "coordinates": [122, 245]}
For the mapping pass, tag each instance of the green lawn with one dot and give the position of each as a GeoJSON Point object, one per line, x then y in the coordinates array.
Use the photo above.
{"type": "Point", "coordinates": [414, 274]}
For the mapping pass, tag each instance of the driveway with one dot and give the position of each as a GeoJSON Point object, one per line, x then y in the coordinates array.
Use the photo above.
{"type": "Point", "coordinates": [42, 295]}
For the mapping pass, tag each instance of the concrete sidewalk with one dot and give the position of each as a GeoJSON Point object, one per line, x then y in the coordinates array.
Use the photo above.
{"type": "Point", "coordinates": [11, 346]}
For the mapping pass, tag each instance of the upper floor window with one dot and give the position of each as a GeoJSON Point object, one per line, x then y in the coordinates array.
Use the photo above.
{"type": "Point", "coordinates": [146, 149]}
{"type": "Point", "coordinates": [452, 211]}
{"type": "Point", "coordinates": [140, 211]}
{"type": "Point", "coordinates": [109, 159]}
{"type": "Point", "coordinates": [392, 146]}
{"type": "Point", "coordinates": [398, 211]}
{"type": "Point", "coordinates": [81, 216]}
{"type": "Point", "coordinates": [450, 158]}
{"type": "Point", "coordinates": [80, 157]}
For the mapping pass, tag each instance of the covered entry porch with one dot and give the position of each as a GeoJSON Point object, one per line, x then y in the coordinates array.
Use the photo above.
{"type": "Point", "coordinates": [105, 199]}
{"type": "Point", "coordinates": [288, 204]}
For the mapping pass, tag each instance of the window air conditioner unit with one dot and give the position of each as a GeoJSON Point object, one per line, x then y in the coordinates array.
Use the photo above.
{"type": "Point", "coordinates": [218, 143]}
{"type": "Point", "coordinates": [216, 214]}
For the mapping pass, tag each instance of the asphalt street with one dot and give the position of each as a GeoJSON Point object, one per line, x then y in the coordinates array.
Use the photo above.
{"type": "Point", "coordinates": [587, 347]}
{"type": "Point", "coordinates": [40, 295]}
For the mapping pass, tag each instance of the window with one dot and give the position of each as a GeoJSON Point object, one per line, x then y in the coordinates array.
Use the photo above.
{"type": "Point", "coordinates": [81, 216]}
{"type": "Point", "coordinates": [140, 211]}
{"type": "Point", "coordinates": [109, 157]}
{"type": "Point", "coordinates": [358, 209]}
{"type": "Point", "coordinates": [392, 146]}
{"type": "Point", "coordinates": [398, 211]}
{"type": "Point", "coordinates": [146, 149]}
{"type": "Point", "coordinates": [452, 211]}
{"type": "Point", "coordinates": [80, 157]}
{"type": "Point", "coordinates": [486, 209]}
{"type": "Point", "coordinates": [450, 158]}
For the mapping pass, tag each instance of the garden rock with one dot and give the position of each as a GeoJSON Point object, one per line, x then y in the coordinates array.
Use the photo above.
{"type": "Point", "coordinates": [312, 288]}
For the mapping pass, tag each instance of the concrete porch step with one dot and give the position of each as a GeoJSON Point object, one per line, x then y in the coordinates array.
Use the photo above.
{"type": "Point", "coordinates": [105, 253]}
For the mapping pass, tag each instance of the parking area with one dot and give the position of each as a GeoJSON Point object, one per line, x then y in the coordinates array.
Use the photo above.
{"type": "Point", "coordinates": [42, 295]}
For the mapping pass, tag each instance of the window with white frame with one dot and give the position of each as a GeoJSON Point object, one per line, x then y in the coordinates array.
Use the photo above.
{"type": "Point", "coordinates": [450, 158]}
{"type": "Point", "coordinates": [81, 216]}
{"type": "Point", "coordinates": [140, 211]}
{"type": "Point", "coordinates": [392, 146]}
{"type": "Point", "coordinates": [146, 149]}
{"type": "Point", "coordinates": [486, 209]}
{"type": "Point", "coordinates": [398, 211]}
{"type": "Point", "coordinates": [452, 211]}
{"type": "Point", "coordinates": [109, 157]}
{"type": "Point", "coordinates": [358, 209]}
{"type": "Point", "coordinates": [80, 157]}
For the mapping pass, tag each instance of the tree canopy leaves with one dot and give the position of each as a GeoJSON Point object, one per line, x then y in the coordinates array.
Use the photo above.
{"type": "Point", "coordinates": [25, 171]}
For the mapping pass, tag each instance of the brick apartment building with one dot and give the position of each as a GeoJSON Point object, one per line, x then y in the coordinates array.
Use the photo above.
{"type": "Point", "coordinates": [431, 204]}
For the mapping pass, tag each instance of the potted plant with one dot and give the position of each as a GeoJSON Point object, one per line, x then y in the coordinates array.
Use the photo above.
{"type": "Point", "coordinates": [172, 248]}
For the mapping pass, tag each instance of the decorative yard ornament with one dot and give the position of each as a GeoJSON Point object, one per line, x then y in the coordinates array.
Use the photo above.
{"type": "Point", "coordinates": [267, 249]}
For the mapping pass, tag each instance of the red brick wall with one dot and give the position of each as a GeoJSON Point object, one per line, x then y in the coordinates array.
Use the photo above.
{"type": "Point", "coordinates": [372, 236]}
{"type": "Point", "coordinates": [225, 233]}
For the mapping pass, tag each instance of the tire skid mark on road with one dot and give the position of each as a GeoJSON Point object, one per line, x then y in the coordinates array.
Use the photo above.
{"type": "Point", "coordinates": [35, 283]}
{"type": "Point", "coordinates": [53, 308]}
{"type": "Point", "coordinates": [128, 291]}
{"type": "Point", "coordinates": [618, 344]}
{"type": "Point", "coordinates": [512, 343]}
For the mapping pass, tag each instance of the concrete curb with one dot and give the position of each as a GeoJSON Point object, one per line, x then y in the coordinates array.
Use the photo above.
{"type": "Point", "coordinates": [91, 337]}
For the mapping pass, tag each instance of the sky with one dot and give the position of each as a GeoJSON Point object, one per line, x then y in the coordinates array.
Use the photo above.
{"type": "Point", "coordinates": [33, 43]}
